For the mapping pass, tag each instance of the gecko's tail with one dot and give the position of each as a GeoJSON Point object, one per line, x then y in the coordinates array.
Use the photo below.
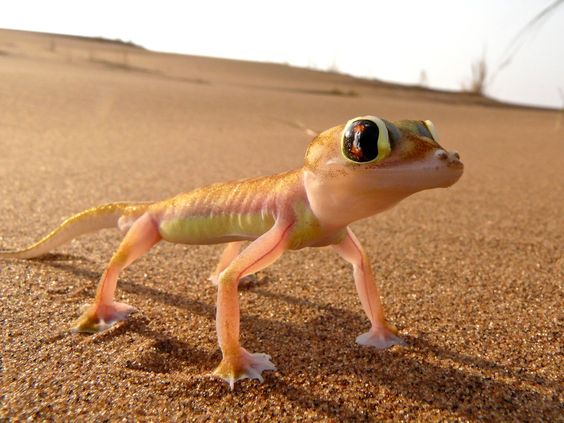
{"type": "Point", "coordinates": [90, 220]}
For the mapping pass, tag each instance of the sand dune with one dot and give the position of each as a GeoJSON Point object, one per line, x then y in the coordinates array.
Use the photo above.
{"type": "Point", "coordinates": [471, 275]}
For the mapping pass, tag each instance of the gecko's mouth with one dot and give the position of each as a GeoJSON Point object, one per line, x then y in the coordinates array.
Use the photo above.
{"type": "Point", "coordinates": [440, 170]}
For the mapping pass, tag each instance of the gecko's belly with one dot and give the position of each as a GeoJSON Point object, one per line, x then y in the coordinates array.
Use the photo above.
{"type": "Point", "coordinates": [214, 229]}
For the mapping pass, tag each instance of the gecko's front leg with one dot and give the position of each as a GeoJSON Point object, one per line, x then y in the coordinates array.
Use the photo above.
{"type": "Point", "coordinates": [381, 334]}
{"type": "Point", "coordinates": [238, 363]}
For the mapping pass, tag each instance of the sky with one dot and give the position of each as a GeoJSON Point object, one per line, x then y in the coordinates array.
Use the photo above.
{"type": "Point", "coordinates": [395, 41]}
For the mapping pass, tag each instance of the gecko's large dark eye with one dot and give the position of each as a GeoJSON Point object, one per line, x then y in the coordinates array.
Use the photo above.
{"type": "Point", "coordinates": [365, 140]}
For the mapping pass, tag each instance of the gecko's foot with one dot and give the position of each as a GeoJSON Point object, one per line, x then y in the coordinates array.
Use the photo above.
{"type": "Point", "coordinates": [99, 317]}
{"type": "Point", "coordinates": [381, 337]}
{"type": "Point", "coordinates": [242, 366]}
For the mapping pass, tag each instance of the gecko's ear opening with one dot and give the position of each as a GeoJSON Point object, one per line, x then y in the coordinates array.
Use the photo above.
{"type": "Point", "coordinates": [431, 128]}
{"type": "Point", "coordinates": [365, 140]}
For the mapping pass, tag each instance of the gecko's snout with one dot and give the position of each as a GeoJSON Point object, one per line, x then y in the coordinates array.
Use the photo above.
{"type": "Point", "coordinates": [451, 157]}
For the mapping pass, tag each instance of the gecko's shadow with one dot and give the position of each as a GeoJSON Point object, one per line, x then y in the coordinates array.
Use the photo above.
{"type": "Point", "coordinates": [50, 258]}
{"type": "Point", "coordinates": [65, 262]}
{"type": "Point", "coordinates": [476, 396]}
{"type": "Point", "coordinates": [165, 353]}
{"type": "Point", "coordinates": [465, 393]}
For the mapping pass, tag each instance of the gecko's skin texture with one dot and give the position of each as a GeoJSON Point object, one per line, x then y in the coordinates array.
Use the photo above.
{"type": "Point", "coordinates": [351, 171]}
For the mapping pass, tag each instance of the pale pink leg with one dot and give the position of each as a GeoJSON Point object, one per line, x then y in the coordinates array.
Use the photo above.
{"type": "Point", "coordinates": [104, 312]}
{"type": "Point", "coordinates": [237, 363]}
{"type": "Point", "coordinates": [231, 251]}
{"type": "Point", "coordinates": [381, 334]}
{"type": "Point", "coordinates": [228, 255]}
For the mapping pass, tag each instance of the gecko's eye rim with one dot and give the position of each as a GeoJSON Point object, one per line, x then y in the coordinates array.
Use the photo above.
{"type": "Point", "coordinates": [365, 140]}
{"type": "Point", "coordinates": [432, 130]}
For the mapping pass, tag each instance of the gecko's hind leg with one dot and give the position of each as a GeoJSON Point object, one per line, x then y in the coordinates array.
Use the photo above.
{"type": "Point", "coordinates": [104, 312]}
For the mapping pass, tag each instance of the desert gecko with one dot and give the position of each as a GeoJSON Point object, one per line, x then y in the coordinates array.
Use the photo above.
{"type": "Point", "coordinates": [351, 171]}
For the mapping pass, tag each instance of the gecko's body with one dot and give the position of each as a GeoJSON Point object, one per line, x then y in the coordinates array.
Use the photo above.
{"type": "Point", "coordinates": [232, 211]}
{"type": "Point", "coordinates": [351, 171]}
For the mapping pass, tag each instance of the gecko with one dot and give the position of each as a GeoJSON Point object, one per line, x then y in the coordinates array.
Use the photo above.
{"type": "Point", "coordinates": [350, 172]}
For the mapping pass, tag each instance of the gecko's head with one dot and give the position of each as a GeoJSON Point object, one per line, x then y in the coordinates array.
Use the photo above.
{"type": "Point", "coordinates": [369, 164]}
{"type": "Point", "coordinates": [371, 153]}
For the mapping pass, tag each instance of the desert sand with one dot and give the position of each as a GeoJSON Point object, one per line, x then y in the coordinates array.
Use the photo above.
{"type": "Point", "coordinates": [471, 275]}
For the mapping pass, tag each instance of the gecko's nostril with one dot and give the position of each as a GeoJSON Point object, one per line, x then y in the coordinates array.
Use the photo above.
{"type": "Point", "coordinates": [454, 160]}
{"type": "Point", "coordinates": [453, 157]}
{"type": "Point", "coordinates": [441, 154]}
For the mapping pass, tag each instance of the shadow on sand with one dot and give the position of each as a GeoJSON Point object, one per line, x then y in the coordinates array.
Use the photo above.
{"type": "Point", "coordinates": [465, 392]}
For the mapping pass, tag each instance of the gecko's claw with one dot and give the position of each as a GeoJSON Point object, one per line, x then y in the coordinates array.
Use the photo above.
{"type": "Point", "coordinates": [245, 365]}
{"type": "Point", "coordinates": [380, 337]}
{"type": "Point", "coordinates": [99, 317]}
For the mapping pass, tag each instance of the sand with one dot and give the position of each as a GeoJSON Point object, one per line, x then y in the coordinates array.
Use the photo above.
{"type": "Point", "coordinates": [471, 275]}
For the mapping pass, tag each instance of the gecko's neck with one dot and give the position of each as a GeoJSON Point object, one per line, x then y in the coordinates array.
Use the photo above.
{"type": "Point", "coordinates": [337, 203]}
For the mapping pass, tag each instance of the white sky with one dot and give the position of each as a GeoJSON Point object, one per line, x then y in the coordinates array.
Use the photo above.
{"type": "Point", "coordinates": [389, 40]}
